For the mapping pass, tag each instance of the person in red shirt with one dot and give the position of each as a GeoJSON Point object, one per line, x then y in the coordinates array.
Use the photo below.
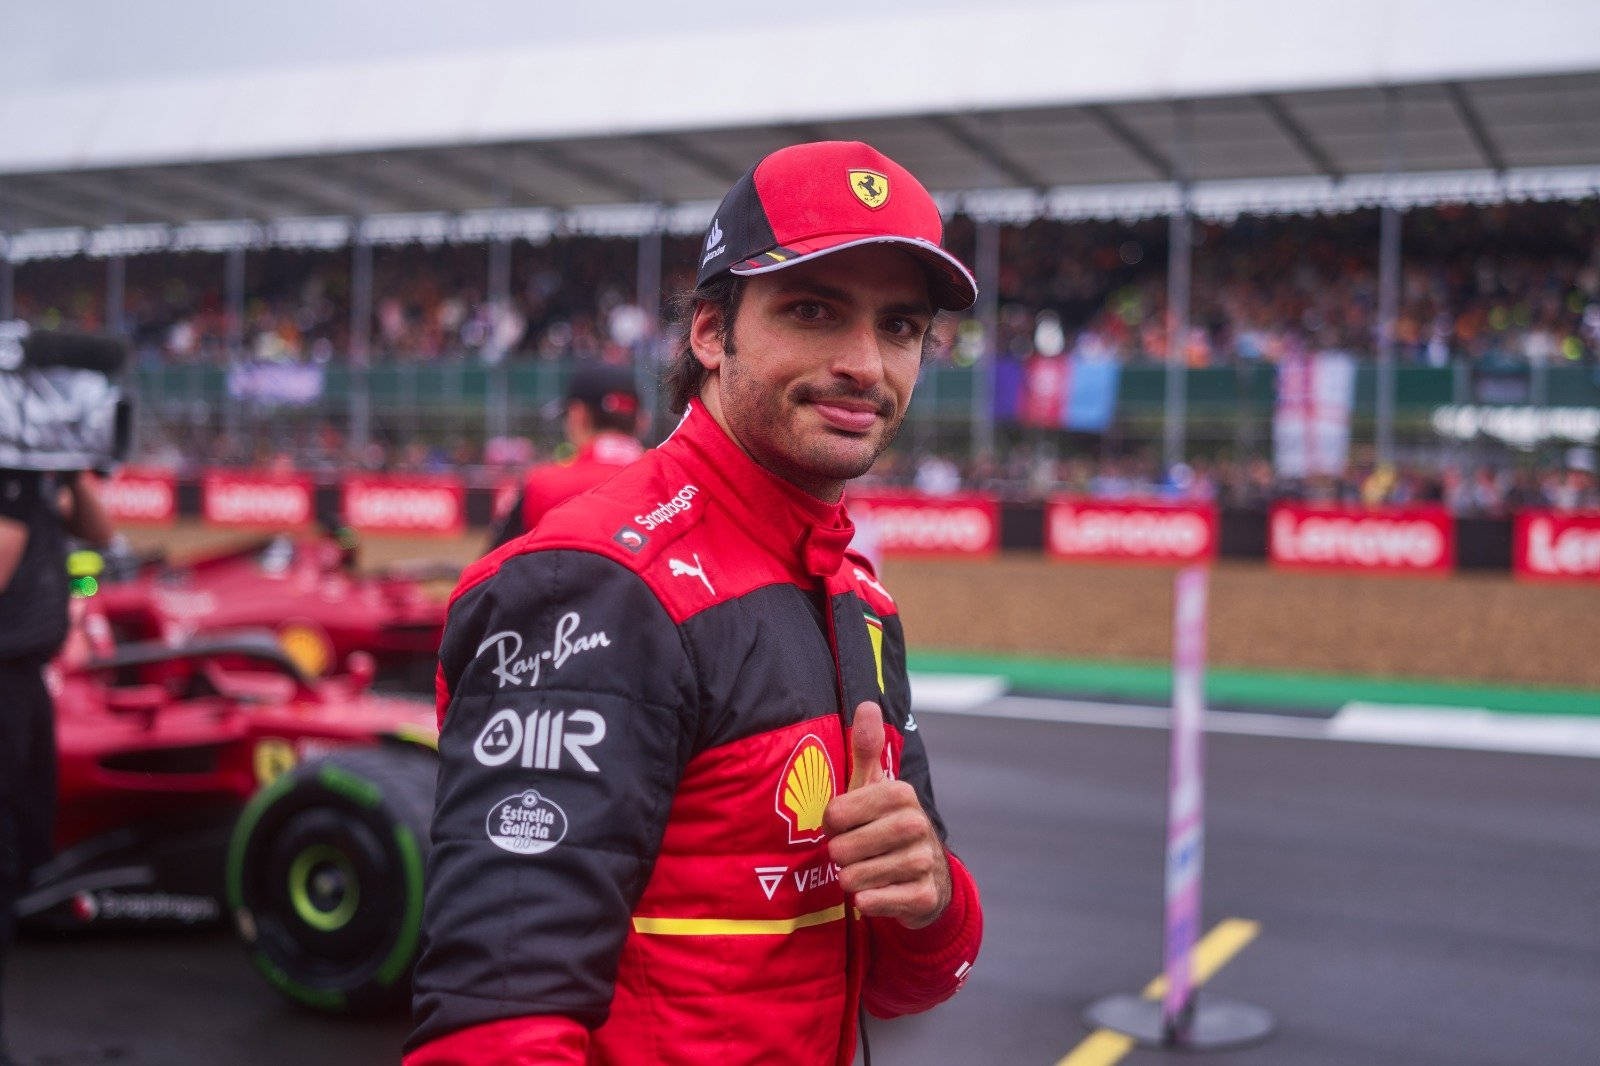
{"type": "Point", "coordinates": [685, 813]}
{"type": "Point", "coordinates": [602, 424]}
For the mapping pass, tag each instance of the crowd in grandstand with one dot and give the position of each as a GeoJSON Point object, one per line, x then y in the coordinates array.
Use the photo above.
{"type": "Point", "coordinates": [1504, 283]}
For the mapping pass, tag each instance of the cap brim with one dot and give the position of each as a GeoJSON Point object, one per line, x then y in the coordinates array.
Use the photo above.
{"type": "Point", "coordinates": [950, 283]}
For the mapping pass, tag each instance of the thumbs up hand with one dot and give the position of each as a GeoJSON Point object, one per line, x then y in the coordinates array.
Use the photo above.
{"type": "Point", "coordinates": [866, 746]}
{"type": "Point", "coordinates": [889, 857]}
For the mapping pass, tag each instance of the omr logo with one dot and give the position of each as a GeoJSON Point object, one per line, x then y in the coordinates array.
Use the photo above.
{"type": "Point", "coordinates": [541, 738]}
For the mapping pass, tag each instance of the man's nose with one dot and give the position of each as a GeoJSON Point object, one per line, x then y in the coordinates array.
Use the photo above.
{"type": "Point", "coordinates": [858, 355]}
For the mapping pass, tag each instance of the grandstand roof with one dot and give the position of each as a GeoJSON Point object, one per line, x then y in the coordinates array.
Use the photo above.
{"type": "Point", "coordinates": [1071, 109]}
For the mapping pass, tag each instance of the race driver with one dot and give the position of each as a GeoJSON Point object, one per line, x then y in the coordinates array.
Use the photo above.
{"type": "Point", "coordinates": [601, 422]}
{"type": "Point", "coordinates": [684, 813]}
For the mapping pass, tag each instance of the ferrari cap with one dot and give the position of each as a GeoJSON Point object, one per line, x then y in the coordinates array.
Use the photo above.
{"type": "Point", "coordinates": [803, 202]}
{"type": "Point", "coordinates": [604, 387]}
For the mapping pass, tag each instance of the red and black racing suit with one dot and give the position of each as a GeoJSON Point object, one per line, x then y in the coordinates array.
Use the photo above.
{"type": "Point", "coordinates": [643, 717]}
{"type": "Point", "coordinates": [550, 484]}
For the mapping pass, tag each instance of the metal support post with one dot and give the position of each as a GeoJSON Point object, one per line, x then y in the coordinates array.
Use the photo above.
{"type": "Point", "coordinates": [1388, 282]}
{"type": "Point", "coordinates": [116, 295]}
{"type": "Point", "coordinates": [7, 284]}
{"type": "Point", "coordinates": [1175, 418]}
{"type": "Point", "coordinates": [8, 278]}
{"type": "Point", "coordinates": [497, 417]}
{"type": "Point", "coordinates": [646, 358]}
{"type": "Point", "coordinates": [988, 264]}
{"type": "Point", "coordinates": [233, 288]}
{"type": "Point", "coordinates": [360, 339]}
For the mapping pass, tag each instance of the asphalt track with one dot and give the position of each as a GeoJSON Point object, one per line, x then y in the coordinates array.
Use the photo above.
{"type": "Point", "coordinates": [1416, 906]}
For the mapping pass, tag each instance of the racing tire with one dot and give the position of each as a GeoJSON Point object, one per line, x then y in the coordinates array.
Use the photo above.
{"type": "Point", "coordinates": [325, 874]}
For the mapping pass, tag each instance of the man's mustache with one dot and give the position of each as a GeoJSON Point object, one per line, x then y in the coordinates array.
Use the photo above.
{"type": "Point", "coordinates": [879, 398]}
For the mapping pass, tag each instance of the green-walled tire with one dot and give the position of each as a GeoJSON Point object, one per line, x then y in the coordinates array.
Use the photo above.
{"type": "Point", "coordinates": [324, 877]}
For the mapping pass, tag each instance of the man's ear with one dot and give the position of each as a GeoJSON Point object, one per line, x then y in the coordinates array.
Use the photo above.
{"type": "Point", "coordinates": [705, 336]}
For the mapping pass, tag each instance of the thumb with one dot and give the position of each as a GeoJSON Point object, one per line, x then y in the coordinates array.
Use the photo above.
{"type": "Point", "coordinates": [866, 746]}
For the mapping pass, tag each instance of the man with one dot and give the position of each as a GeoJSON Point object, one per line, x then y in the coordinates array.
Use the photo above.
{"type": "Point", "coordinates": [37, 511]}
{"type": "Point", "coordinates": [684, 813]}
{"type": "Point", "coordinates": [602, 423]}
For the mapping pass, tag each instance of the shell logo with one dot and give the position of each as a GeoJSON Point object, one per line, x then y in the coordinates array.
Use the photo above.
{"type": "Point", "coordinates": [804, 790]}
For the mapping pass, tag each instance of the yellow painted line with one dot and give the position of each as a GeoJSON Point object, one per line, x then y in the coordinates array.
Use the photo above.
{"type": "Point", "coordinates": [735, 926]}
{"type": "Point", "coordinates": [1103, 1047]}
{"type": "Point", "coordinates": [1100, 1048]}
{"type": "Point", "coordinates": [1225, 940]}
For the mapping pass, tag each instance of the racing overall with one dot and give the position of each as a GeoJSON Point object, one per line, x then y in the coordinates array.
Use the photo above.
{"type": "Point", "coordinates": [644, 714]}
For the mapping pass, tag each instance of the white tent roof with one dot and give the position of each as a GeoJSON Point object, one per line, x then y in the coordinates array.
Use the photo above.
{"type": "Point", "coordinates": [1074, 104]}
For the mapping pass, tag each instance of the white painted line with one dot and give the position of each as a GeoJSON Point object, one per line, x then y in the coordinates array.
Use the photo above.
{"type": "Point", "coordinates": [1358, 723]}
{"type": "Point", "coordinates": [954, 693]}
{"type": "Point", "coordinates": [1139, 716]}
{"type": "Point", "coordinates": [1466, 727]}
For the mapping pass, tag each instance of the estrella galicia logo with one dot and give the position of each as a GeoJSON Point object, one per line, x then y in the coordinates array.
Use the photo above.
{"type": "Point", "coordinates": [526, 824]}
{"type": "Point", "coordinates": [631, 539]}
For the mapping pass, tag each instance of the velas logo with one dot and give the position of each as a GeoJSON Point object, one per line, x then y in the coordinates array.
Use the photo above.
{"type": "Point", "coordinates": [805, 789]}
{"type": "Point", "coordinates": [870, 187]}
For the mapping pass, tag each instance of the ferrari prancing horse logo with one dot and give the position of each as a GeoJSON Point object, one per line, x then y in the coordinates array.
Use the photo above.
{"type": "Point", "coordinates": [870, 187]}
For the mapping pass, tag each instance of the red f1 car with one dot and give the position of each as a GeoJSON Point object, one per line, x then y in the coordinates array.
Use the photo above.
{"type": "Point", "coordinates": [212, 777]}
{"type": "Point", "coordinates": [306, 591]}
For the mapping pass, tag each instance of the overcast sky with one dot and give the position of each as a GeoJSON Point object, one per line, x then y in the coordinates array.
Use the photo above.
{"type": "Point", "coordinates": [62, 43]}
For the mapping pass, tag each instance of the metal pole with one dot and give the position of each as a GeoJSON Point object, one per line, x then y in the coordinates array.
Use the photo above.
{"type": "Point", "coordinates": [233, 286]}
{"type": "Point", "coordinates": [116, 285]}
{"type": "Point", "coordinates": [7, 282]}
{"type": "Point", "coordinates": [649, 302]}
{"type": "Point", "coordinates": [360, 339]}
{"type": "Point", "coordinates": [498, 415]}
{"type": "Point", "coordinates": [8, 279]}
{"type": "Point", "coordinates": [988, 265]}
{"type": "Point", "coordinates": [1176, 412]}
{"type": "Point", "coordinates": [1388, 281]}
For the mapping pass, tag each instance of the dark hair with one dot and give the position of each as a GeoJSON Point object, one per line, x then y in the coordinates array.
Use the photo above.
{"type": "Point", "coordinates": [684, 375]}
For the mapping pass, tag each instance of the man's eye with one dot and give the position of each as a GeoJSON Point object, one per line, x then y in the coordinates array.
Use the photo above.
{"type": "Point", "coordinates": [809, 312]}
{"type": "Point", "coordinates": [903, 327]}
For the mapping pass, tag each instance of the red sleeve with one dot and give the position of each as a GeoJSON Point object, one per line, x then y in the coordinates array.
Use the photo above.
{"type": "Point", "coordinates": [538, 1041]}
{"type": "Point", "coordinates": [914, 969]}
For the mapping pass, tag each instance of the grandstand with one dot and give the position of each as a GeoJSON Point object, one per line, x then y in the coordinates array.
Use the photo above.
{"type": "Point", "coordinates": [462, 223]}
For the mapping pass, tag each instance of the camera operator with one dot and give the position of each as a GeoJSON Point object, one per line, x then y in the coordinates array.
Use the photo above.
{"type": "Point", "coordinates": [38, 511]}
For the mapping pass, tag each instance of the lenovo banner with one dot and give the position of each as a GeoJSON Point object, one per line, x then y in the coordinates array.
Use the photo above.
{"type": "Point", "coordinates": [1556, 546]}
{"type": "Point", "coordinates": [146, 496]}
{"type": "Point", "coordinates": [242, 498]}
{"type": "Point", "coordinates": [911, 524]}
{"type": "Point", "coordinates": [1405, 540]}
{"type": "Point", "coordinates": [405, 504]}
{"type": "Point", "coordinates": [1150, 532]}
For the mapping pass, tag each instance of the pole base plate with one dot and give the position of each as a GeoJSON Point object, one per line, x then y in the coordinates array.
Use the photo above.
{"type": "Point", "coordinates": [1216, 1023]}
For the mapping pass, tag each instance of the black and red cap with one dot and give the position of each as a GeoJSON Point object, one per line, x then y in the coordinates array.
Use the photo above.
{"type": "Point", "coordinates": [807, 200]}
{"type": "Point", "coordinates": [604, 387]}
